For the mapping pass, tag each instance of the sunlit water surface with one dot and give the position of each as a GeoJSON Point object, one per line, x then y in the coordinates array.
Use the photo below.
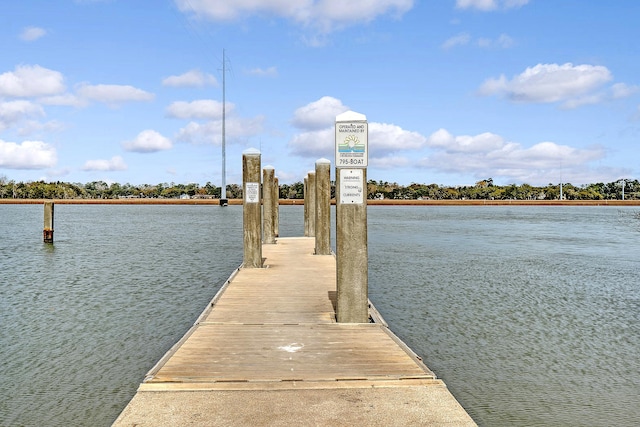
{"type": "Point", "coordinates": [531, 315]}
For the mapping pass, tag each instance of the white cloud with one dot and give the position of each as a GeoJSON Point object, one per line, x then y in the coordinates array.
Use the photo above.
{"type": "Point", "coordinates": [12, 112]}
{"type": "Point", "coordinates": [205, 126]}
{"type": "Point", "coordinates": [28, 155]}
{"type": "Point", "coordinates": [483, 155]}
{"type": "Point", "coordinates": [487, 141]}
{"type": "Point", "coordinates": [65, 99]}
{"type": "Point", "coordinates": [148, 141]}
{"type": "Point", "coordinates": [387, 138]}
{"type": "Point", "coordinates": [211, 132]}
{"type": "Point", "coordinates": [318, 114]}
{"type": "Point", "coordinates": [21, 114]}
{"type": "Point", "coordinates": [314, 144]}
{"type": "Point", "coordinates": [491, 155]}
{"type": "Point", "coordinates": [488, 5]}
{"type": "Point", "coordinates": [548, 83]}
{"type": "Point", "coordinates": [328, 15]}
{"type": "Point", "coordinates": [458, 40]}
{"type": "Point", "coordinates": [322, 15]}
{"type": "Point", "coordinates": [502, 42]}
{"type": "Point", "coordinates": [56, 174]}
{"type": "Point", "coordinates": [192, 78]}
{"type": "Point", "coordinates": [116, 163]}
{"type": "Point", "coordinates": [622, 90]}
{"type": "Point", "coordinates": [264, 72]}
{"type": "Point", "coordinates": [199, 109]}
{"type": "Point", "coordinates": [31, 81]}
{"type": "Point", "coordinates": [384, 139]}
{"type": "Point", "coordinates": [221, 10]}
{"type": "Point", "coordinates": [31, 126]}
{"type": "Point", "coordinates": [112, 94]}
{"type": "Point", "coordinates": [390, 162]}
{"type": "Point", "coordinates": [317, 120]}
{"type": "Point", "coordinates": [30, 34]}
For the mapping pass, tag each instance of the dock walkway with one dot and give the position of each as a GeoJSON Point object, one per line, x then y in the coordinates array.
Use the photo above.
{"type": "Point", "coordinates": [268, 351]}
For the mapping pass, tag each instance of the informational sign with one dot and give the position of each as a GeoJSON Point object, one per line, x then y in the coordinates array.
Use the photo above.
{"type": "Point", "coordinates": [252, 192]}
{"type": "Point", "coordinates": [351, 187]}
{"type": "Point", "coordinates": [351, 144]}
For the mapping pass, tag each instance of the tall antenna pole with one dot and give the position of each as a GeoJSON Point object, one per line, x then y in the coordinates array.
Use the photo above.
{"type": "Point", "coordinates": [223, 190]}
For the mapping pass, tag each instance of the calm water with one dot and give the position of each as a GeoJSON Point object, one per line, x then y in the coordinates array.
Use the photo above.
{"type": "Point", "coordinates": [531, 315]}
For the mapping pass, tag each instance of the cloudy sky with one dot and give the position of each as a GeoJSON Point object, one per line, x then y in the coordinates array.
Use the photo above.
{"type": "Point", "coordinates": [455, 91]}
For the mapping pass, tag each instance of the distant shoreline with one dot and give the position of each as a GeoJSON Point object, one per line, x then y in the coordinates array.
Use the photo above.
{"type": "Point", "coordinates": [387, 202]}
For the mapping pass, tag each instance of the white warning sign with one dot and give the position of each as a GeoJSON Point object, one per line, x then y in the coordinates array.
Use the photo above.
{"type": "Point", "coordinates": [351, 187]}
{"type": "Point", "coordinates": [252, 192]}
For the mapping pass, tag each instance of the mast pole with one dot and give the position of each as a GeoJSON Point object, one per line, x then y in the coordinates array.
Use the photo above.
{"type": "Point", "coordinates": [223, 189]}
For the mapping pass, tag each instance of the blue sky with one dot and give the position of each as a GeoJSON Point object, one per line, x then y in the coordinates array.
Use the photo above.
{"type": "Point", "coordinates": [455, 91]}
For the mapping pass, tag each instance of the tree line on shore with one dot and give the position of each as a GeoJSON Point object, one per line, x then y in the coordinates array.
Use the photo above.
{"type": "Point", "coordinates": [484, 189]}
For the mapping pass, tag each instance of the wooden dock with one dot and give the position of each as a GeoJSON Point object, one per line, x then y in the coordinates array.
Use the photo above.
{"type": "Point", "coordinates": [268, 351]}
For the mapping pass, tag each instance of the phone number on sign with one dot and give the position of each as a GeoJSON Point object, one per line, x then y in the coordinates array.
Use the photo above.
{"type": "Point", "coordinates": [351, 162]}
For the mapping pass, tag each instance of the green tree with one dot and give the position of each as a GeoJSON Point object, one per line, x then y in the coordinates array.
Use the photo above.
{"type": "Point", "coordinates": [234, 191]}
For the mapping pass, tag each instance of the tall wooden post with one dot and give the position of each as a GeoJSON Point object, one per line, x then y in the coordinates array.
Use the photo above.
{"type": "Point", "coordinates": [311, 191]}
{"type": "Point", "coordinates": [268, 205]}
{"type": "Point", "coordinates": [252, 224]}
{"type": "Point", "coordinates": [276, 197]}
{"type": "Point", "coordinates": [351, 132]}
{"type": "Point", "coordinates": [306, 205]}
{"type": "Point", "coordinates": [48, 222]}
{"type": "Point", "coordinates": [323, 207]}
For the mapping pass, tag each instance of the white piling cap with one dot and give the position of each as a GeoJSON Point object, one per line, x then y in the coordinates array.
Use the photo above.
{"type": "Point", "coordinates": [323, 161]}
{"type": "Point", "coordinates": [350, 116]}
{"type": "Point", "coordinates": [269, 167]}
{"type": "Point", "coordinates": [251, 151]}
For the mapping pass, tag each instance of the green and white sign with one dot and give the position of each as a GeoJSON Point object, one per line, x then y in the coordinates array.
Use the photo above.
{"type": "Point", "coordinates": [352, 140]}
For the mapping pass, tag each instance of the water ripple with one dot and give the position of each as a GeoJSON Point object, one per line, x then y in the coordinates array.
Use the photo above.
{"type": "Point", "coordinates": [529, 315]}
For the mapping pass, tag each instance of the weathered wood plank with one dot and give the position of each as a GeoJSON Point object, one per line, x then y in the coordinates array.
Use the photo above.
{"type": "Point", "coordinates": [289, 385]}
{"type": "Point", "coordinates": [278, 324]}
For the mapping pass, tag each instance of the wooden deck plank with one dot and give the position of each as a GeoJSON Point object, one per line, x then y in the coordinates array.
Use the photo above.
{"type": "Point", "coordinates": [231, 344]}
{"type": "Point", "coordinates": [278, 324]}
{"type": "Point", "coordinates": [284, 352]}
{"type": "Point", "coordinates": [303, 295]}
{"type": "Point", "coordinates": [290, 385]}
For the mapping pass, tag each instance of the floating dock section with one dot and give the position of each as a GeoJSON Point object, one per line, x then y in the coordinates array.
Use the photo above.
{"type": "Point", "coordinates": [268, 351]}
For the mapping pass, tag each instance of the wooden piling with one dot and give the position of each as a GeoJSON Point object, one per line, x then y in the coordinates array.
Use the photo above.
{"type": "Point", "coordinates": [251, 218]}
{"type": "Point", "coordinates": [351, 218]}
{"type": "Point", "coordinates": [306, 206]}
{"type": "Point", "coordinates": [276, 213]}
{"type": "Point", "coordinates": [268, 205]}
{"type": "Point", "coordinates": [323, 207]}
{"type": "Point", "coordinates": [311, 192]}
{"type": "Point", "coordinates": [48, 222]}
